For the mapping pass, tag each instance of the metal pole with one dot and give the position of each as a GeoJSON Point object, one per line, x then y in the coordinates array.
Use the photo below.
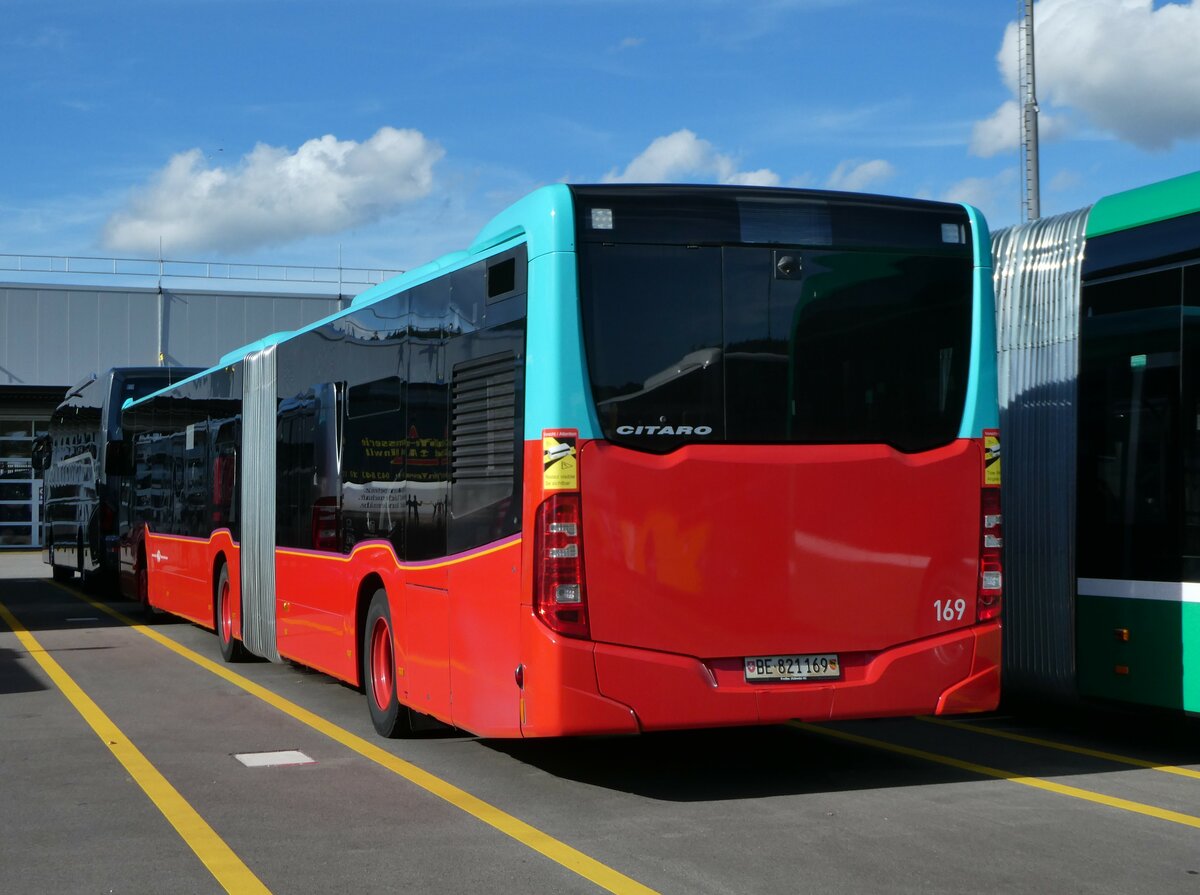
{"type": "Point", "coordinates": [1031, 201]}
{"type": "Point", "coordinates": [161, 300]}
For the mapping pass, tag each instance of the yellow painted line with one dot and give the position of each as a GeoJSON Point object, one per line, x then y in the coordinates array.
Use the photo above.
{"type": "Point", "coordinates": [1063, 747]}
{"type": "Point", "coordinates": [1175, 817]}
{"type": "Point", "coordinates": [219, 858]}
{"type": "Point", "coordinates": [559, 852]}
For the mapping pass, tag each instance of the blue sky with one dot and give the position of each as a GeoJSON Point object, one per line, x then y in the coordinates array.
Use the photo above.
{"type": "Point", "coordinates": [284, 132]}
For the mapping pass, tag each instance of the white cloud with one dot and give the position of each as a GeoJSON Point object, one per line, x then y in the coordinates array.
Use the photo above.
{"type": "Point", "coordinates": [989, 194]}
{"type": "Point", "coordinates": [1002, 131]}
{"type": "Point", "coordinates": [1129, 68]}
{"type": "Point", "coordinates": [684, 157]}
{"type": "Point", "coordinates": [1065, 180]}
{"type": "Point", "coordinates": [855, 175]}
{"type": "Point", "coordinates": [273, 196]}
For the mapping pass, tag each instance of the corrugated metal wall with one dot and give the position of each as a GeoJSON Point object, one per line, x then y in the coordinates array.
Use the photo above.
{"type": "Point", "coordinates": [56, 335]}
{"type": "Point", "coordinates": [1037, 278]}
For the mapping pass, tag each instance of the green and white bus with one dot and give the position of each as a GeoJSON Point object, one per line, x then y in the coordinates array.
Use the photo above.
{"type": "Point", "coordinates": [1098, 324]}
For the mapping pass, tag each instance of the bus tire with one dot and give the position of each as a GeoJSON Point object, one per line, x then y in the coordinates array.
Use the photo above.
{"type": "Point", "coordinates": [232, 649]}
{"type": "Point", "coordinates": [62, 573]}
{"type": "Point", "coordinates": [142, 577]}
{"type": "Point", "coordinates": [379, 671]}
{"type": "Point", "coordinates": [92, 582]}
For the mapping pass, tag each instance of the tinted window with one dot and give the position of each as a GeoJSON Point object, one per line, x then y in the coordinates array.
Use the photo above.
{"type": "Point", "coordinates": [1142, 292]}
{"type": "Point", "coordinates": [426, 448]}
{"type": "Point", "coordinates": [141, 386]}
{"type": "Point", "coordinates": [378, 396]}
{"type": "Point", "coordinates": [394, 469]}
{"type": "Point", "coordinates": [379, 321]}
{"type": "Point", "coordinates": [1161, 242]}
{"type": "Point", "coordinates": [185, 458]}
{"type": "Point", "coordinates": [296, 469]}
{"type": "Point", "coordinates": [730, 215]}
{"type": "Point", "coordinates": [1130, 490]}
{"type": "Point", "coordinates": [746, 344]}
{"type": "Point", "coordinates": [501, 278]}
{"type": "Point", "coordinates": [878, 350]}
{"type": "Point", "coordinates": [653, 330]}
{"type": "Point", "coordinates": [1190, 430]}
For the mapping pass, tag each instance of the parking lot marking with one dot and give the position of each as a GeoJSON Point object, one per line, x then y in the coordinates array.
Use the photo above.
{"type": "Point", "coordinates": [559, 852]}
{"type": "Point", "coordinates": [285, 759]}
{"type": "Point", "coordinates": [222, 862]}
{"type": "Point", "coordinates": [1063, 747]}
{"type": "Point", "coordinates": [1074, 792]}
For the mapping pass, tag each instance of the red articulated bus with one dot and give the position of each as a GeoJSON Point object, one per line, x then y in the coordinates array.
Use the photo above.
{"type": "Point", "coordinates": [641, 458]}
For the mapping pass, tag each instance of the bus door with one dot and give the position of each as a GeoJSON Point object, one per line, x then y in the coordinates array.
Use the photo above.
{"type": "Point", "coordinates": [1131, 494]}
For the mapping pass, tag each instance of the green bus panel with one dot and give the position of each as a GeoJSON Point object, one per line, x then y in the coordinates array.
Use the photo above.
{"type": "Point", "coordinates": [1158, 665]}
{"type": "Point", "coordinates": [1145, 205]}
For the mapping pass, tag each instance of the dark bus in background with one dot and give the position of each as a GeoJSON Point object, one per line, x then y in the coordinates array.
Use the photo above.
{"type": "Point", "coordinates": [79, 498]}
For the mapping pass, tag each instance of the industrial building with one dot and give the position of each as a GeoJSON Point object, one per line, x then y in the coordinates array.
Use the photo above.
{"type": "Point", "coordinates": [62, 319]}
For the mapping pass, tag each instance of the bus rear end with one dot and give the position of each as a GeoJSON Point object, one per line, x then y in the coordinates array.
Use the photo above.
{"type": "Point", "coordinates": [784, 501]}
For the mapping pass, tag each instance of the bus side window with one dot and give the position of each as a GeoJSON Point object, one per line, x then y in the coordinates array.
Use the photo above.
{"type": "Point", "coordinates": [224, 475]}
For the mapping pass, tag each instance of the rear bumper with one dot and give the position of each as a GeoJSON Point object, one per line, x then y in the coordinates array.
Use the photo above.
{"type": "Point", "coordinates": [955, 672]}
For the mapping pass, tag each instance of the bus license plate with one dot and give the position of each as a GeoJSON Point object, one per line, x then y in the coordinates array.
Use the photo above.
{"type": "Point", "coordinates": [792, 668]}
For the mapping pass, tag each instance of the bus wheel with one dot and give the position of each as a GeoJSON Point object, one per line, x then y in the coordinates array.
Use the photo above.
{"type": "Point", "coordinates": [379, 671]}
{"type": "Point", "coordinates": [232, 649]}
{"type": "Point", "coordinates": [62, 573]}
{"type": "Point", "coordinates": [143, 591]}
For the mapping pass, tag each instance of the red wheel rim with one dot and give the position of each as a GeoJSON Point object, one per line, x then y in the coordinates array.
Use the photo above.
{"type": "Point", "coordinates": [226, 613]}
{"type": "Point", "coordinates": [381, 664]}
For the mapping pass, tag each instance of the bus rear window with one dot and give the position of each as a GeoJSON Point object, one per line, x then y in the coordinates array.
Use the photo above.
{"type": "Point", "coordinates": [754, 344]}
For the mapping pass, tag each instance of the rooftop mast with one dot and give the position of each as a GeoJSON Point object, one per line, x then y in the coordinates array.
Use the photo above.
{"type": "Point", "coordinates": [1031, 203]}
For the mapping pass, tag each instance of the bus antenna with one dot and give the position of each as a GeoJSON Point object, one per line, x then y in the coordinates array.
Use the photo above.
{"type": "Point", "coordinates": [1031, 202]}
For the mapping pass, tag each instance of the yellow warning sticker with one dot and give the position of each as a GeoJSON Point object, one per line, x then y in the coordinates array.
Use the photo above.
{"type": "Point", "coordinates": [991, 456]}
{"type": "Point", "coordinates": [560, 465]}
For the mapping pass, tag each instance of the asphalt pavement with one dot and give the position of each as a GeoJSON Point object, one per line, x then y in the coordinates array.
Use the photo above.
{"type": "Point", "coordinates": [1075, 801]}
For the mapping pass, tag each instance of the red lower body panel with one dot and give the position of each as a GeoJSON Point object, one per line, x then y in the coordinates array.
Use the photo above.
{"type": "Point", "coordinates": [574, 687]}
{"type": "Point", "coordinates": [455, 619]}
{"type": "Point", "coordinates": [579, 687]}
{"type": "Point", "coordinates": [470, 653]}
{"type": "Point", "coordinates": [980, 692]}
{"type": "Point", "coordinates": [560, 696]}
{"type": "Point", "coordinates": [181, 573]}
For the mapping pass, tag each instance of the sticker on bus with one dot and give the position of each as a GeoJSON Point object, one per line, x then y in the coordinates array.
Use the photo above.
{"type": "Point", "coordinates": [991, 457]}
{"type": "Point", "coordinates": [560, 465]}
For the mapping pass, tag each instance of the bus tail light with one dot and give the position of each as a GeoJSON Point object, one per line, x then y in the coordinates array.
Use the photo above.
{"type": "Point", "coordinates": [559, 595]}
{"type": "Point", "coordinates": [991, 556]}
{"type": "Point", "coordinates": [326, 521]}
